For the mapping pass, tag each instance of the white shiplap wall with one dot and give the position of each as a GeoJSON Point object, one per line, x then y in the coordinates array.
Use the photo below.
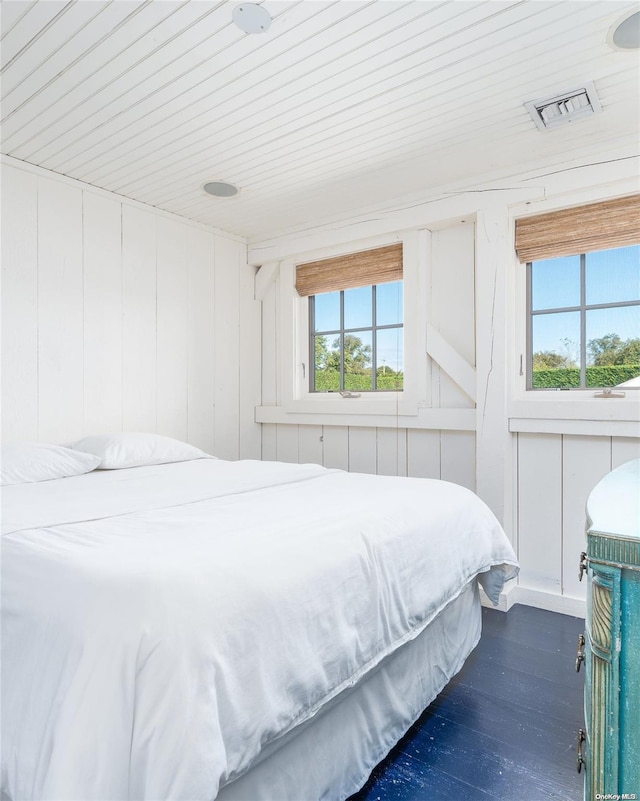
{"type": "Point", "coordinates": [394, 449]}
{"type": "Point", "coordinates": [115, 315]}
{"type": "Point", "coordinates": [550, 452]}
{"type": "Point", "coordinates": [118, 317]}
{"type": "Point", "coordinates": [449, 455]}
{"type": "Point", "coordinates": [556, 473]}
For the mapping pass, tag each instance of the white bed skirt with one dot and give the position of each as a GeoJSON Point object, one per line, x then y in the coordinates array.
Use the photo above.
{"type": "Point", "coordinates": [331, 757]}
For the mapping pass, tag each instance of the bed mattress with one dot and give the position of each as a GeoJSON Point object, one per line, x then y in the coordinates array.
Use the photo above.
{"type": "Point", "coordinates": [166, 629]}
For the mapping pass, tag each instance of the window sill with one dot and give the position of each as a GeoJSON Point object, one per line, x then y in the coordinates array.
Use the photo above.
{"type": "Point", "coordinates": [390, 403]}
{"type": "Point", "coordinates": [568, 414]}
{"type": "Point", "coordinates": [349, 414]}
{"type": "Point", "coordinates": [576, 406]}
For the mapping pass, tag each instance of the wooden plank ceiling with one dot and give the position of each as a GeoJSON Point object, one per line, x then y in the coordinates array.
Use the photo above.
{"type": "Point", "coordinates": [338, 107]}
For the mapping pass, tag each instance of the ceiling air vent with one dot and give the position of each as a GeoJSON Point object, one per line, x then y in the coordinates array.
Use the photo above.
{"type": "Point", "coordinates": [569, 106]}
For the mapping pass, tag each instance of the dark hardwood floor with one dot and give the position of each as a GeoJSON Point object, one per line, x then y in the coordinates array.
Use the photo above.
{"type": "Point", "coordinates": [504, 728]}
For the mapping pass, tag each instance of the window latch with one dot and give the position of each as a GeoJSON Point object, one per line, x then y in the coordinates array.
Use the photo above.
{"type": "Point", "coordinates": [607, 392]}
{"type": "Point", "coordinates": [348, 394]}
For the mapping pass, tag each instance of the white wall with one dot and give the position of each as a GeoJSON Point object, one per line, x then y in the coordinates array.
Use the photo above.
{"type": "Point", "coordinates": [555, 474]}
{"type": "Point", "coordinates": [394, 448]}
{"type": "Point", "coordinates": [118, 317]}
{"type": "Point", "coordinates": [532, 457]}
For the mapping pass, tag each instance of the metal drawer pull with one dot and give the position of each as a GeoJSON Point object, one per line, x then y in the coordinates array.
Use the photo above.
{"type": "Point", "coordinates": [583, 565]}
{"type": "Point", "coordinates": [580, 657]}
{"type": "Point", "coordinates": [580, 760]}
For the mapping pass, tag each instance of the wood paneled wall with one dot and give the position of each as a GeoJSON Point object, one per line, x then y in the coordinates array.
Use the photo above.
{"type": "Point", "coordinates": [394, 449]}
{"type": "Point", "coordinates": [546, 477]}
{"type": "Point", "coordinates": [449, 455]}
{"type": "Point", "coordinates": [118, 317]}
{"type": "Point", "coordinates": [556, 473]}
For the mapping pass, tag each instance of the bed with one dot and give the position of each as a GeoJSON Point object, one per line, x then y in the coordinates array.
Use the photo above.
{"type": "Point", "coordinates": [205, 629]}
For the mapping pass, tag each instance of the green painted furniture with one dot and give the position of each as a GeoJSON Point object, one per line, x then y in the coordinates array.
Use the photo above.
{"type": "Point", "coordinates": [610, 752]}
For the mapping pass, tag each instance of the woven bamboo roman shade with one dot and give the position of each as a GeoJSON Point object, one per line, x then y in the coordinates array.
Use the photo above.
{"type": "Point", "coordinates": [598, 226]}
{"type": "Point", "coordinates": [377, 266]}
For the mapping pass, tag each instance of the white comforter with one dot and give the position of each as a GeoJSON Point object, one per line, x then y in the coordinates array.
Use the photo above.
{"type": "Point", "coordinates": [163, 625]}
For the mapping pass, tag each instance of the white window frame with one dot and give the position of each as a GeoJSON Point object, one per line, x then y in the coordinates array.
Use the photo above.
{"type": "Point", "coordinates": [293, 338]}
{"type": "Point", "coordinates": [530, 410]}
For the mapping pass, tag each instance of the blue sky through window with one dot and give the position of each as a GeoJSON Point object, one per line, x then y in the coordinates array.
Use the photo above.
{"type": "Point", "coordinates": [611, 276]}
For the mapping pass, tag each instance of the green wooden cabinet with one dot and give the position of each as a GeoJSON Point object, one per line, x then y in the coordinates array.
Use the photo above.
{"type": "Point", "coordinates": [611, 748]}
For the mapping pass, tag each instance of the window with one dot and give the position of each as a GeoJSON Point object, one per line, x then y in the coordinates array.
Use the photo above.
{"type": "Point", "coordinates": [583, 295]}
{"type": "Point", "coordinates": [355, 320]}
{"type": "Point", "coordinates": [584, 320]}
{"type": "Point", "coordinates": [356, 340]}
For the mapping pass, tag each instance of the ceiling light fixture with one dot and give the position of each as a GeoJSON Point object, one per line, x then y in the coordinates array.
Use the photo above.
{"type": "Point", "coordinates": [625, 34]}
{"type": "Point", "coordinates": [251, 18]}
{"type": "Point", "coordinates": [220, 189]}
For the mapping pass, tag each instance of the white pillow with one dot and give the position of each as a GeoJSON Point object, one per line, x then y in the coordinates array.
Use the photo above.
{"type": "Point", "coordinates": [24, 462]}
{"type": "Point", "coordinates": [135, 450]}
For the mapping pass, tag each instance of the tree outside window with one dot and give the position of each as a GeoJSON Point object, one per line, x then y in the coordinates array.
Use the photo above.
{"type": "Point", "coordinates": [356, 337]}
{"type": "Point", "coordinates": [584, 320]}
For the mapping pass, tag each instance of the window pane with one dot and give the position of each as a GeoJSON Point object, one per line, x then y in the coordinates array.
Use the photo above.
{"type": "Point", "coordinates": [613, 276]}
{"type": "Point", "coordinates": [556, 350]}
{"type": "Point", "coordinates": [357, 360]}
{"type": "Point", "coordinates": [390, 358]}
{"type": "Point", "coordinates": [555, 283]}
{"type": "Point", "coordinates": [327, 311]}
{"type": "Point", "coordinates": [327, 363]}
{"type": "Point", "coordinates": [613, 346]}
{"type": "Point", "coordinates": [389, 303]}
{"type": "Point", "coordinates": [357, 307]}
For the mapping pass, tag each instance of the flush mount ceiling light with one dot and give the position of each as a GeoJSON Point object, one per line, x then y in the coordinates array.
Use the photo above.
{"type": "Point", "coordinates": [220, 189]}
{"type": "Point", "coordinates": [569, 106]}
{"type": "Point", "coordinates": [625, 34]}
{"type": "Point", "coordinates": [251, 18]}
